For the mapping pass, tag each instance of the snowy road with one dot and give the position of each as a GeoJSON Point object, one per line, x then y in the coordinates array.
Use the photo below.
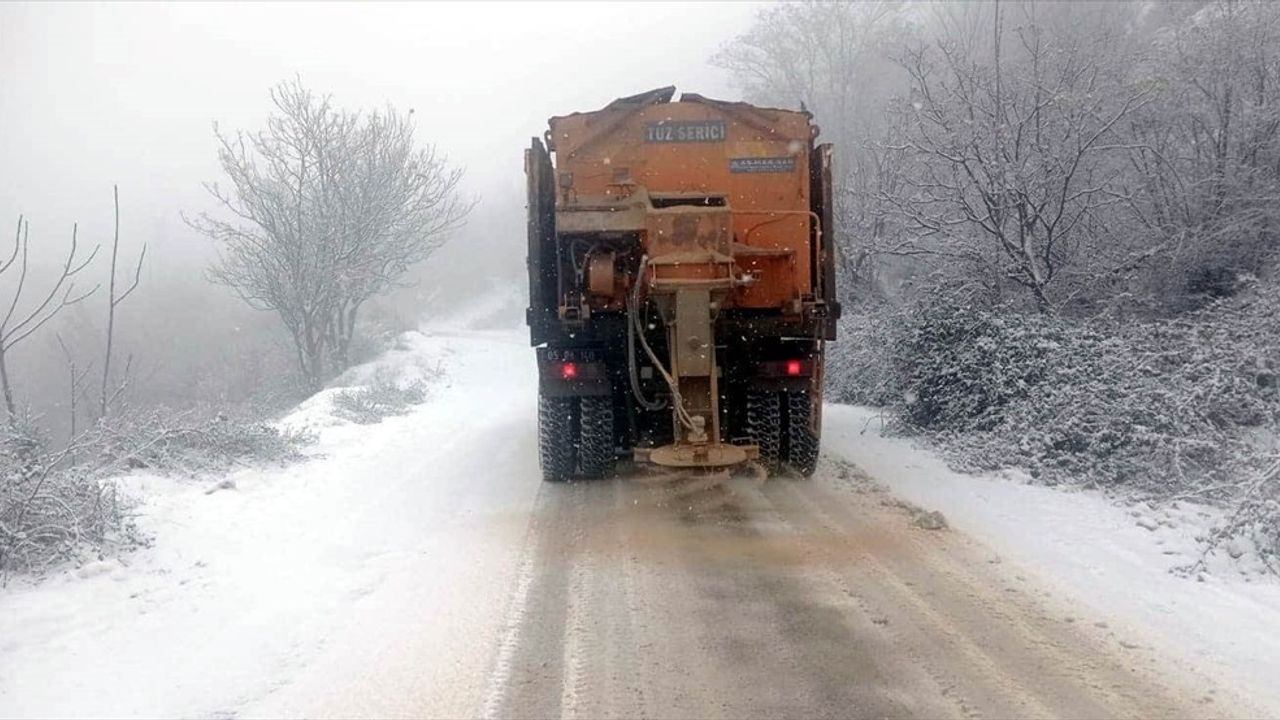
{"type": "Point", "coordinates": [419, 567]}
{"type": "Point", "coordinates": [812, 599]}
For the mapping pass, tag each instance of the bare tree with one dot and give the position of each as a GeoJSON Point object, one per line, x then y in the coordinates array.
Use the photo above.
{"type": "Point", "coordinates": [106, 396]}
{"type": "Point", "coordinates": [830, 57]}
{"type": "Point", "coordinates": [76, 377]}
{"type": "Point", "coordinates": [1207, 160]}
{"type": "Point", "coordinates": [327, 208]}
{"type": "Point", "coordinates": [398, 204]}
{"type": "Point", "coordinates": [17, 325]}
{"type": "Point", "coordinates": [1015, 162]}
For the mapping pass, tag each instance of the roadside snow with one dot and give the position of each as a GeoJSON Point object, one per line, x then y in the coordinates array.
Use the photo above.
{"type": "Point", "coordinates": [1112, 559]}
{"type": "Point", "coordinates": [289, 586]}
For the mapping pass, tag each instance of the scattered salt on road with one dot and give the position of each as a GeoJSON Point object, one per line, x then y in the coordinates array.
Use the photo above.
{"type": "Point", "coordinates": [1112, 558]}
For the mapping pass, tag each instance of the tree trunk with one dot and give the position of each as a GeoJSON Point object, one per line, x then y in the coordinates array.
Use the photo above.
{"type": "Point", "coordinates": [111, 314]}
{"type": "Point", "coordinates": [1042, 301]}
{"type": "Point", "coordinates": [309, 346]}
{"type": "Point", "coordinates": [8, 391]}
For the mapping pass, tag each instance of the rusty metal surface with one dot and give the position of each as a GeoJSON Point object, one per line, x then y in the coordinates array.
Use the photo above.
{"type": "Point", "coordinates": [755, 161]}
{"type": "Point", "coordinates": [694, 456]}
{"type": "Point", "coordinates": [601, 275]}
{"type": "Point", "coordinates": [692, 337]}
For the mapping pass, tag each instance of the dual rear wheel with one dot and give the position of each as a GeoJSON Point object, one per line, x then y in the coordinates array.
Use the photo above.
{"type": "Point", "coordinates": [782, 424]}
{"type": "Point", "coordinates": [575, 437]}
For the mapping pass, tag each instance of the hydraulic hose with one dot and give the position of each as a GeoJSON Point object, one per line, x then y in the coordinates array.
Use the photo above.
{"type": "Point", "coordinates": [633, 302]}
{"type": "Point", "coordinates": [634, 373]}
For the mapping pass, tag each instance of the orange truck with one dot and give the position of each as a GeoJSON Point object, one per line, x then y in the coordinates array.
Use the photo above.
{"type": "Point", "coordinates": [681, 285]}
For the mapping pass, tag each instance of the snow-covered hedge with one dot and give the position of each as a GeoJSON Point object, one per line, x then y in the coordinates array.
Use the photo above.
{"type": "Point", "coordinates": [1166, 408]}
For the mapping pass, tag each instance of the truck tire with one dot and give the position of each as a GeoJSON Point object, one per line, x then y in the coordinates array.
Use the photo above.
{"type": "Point", "coordinates": [556, 452]}
{"type": "Point", "coordinates": [801, 451]}
{"type": "Point", "coordinates": [764, 425]}
{"type": "Point", "coordinates": [596, 452]}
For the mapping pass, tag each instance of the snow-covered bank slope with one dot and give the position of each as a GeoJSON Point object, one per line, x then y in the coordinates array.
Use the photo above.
{"type": "Point", "coordinates": [302, 582]}
{"type": "Point", "coordinates": [1093, 552]}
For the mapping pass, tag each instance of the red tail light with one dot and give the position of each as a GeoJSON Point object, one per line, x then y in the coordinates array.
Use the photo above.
{"type": "Point", "coordinates": [794, 367]}
{"type": "Point", "coordinates": [569, 371]}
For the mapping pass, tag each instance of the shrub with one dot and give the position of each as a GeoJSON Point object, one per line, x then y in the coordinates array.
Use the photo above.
{"type": "Point", "coordinates": [47, 513]}
{"type": "Point", "coordinates": [191, 442]}
{"type": "Point", "coordinates": [57, 505]}
{"type": "Point", "coordinates": [382, 398]}
{"type": "Point", "coordinates": [1159, 408]}
{"type": "Point", "coordinates": [960, 366]}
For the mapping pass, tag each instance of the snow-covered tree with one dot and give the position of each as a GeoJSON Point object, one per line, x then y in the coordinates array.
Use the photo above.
{"type": "Point", "coordinates": [326, 208]}
{"type": "Point", "coordinates": [1207, 152]}
{"type": "Point", "coordinates": [1014, 160]}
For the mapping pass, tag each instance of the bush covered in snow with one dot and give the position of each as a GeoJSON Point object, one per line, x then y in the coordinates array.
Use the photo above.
{"type": "Point", "coordinates": [1159, 408]}
{"type": "Point", "coordinates": [58, 504]}
{"type": "Point", "coordinates": [47, 512]}
{"type": "Point", "coordinates": [191, 443]}
{"type": "Point", "coordinates": [383, 397]}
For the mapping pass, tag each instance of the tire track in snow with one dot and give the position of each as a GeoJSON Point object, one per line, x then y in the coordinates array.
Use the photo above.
{"type": "Point", "coordinates": [1043, 669]}
{"type": "Point", "coordinates": [495, 695]}
{"type": "Point", "coordinates": [576, 643]}
{"type": "Point", "coordinates": [904, 597]}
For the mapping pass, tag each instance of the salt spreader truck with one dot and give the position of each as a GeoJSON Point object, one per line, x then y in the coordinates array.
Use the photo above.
{"type": "Point", "coordinates": [681, 285]}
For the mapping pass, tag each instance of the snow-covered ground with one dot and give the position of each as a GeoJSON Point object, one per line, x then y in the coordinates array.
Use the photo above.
{"type": "Point", "coordinates": [1112, 559]}
{"type": "Point", "coordinates": [254, 599]}
{"type": "Point", "coordinates": [374, 577]}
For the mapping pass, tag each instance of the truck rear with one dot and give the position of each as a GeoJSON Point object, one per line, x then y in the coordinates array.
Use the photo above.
{"type": "Point", "coordinates": [681, 285]}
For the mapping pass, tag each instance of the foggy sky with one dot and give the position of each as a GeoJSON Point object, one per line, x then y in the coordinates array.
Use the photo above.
{"type": "Point", "coordinates": [95, 94]}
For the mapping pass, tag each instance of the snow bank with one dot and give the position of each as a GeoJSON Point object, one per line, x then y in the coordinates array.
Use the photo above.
{"type": "Point", "coordinates": [272, 591]}
{"type": "Point", "coordinates": [1113, 559]}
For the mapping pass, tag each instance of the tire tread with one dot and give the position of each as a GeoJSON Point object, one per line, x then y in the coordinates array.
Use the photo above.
{"type": "Point", "coordinates": [556, 439]}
